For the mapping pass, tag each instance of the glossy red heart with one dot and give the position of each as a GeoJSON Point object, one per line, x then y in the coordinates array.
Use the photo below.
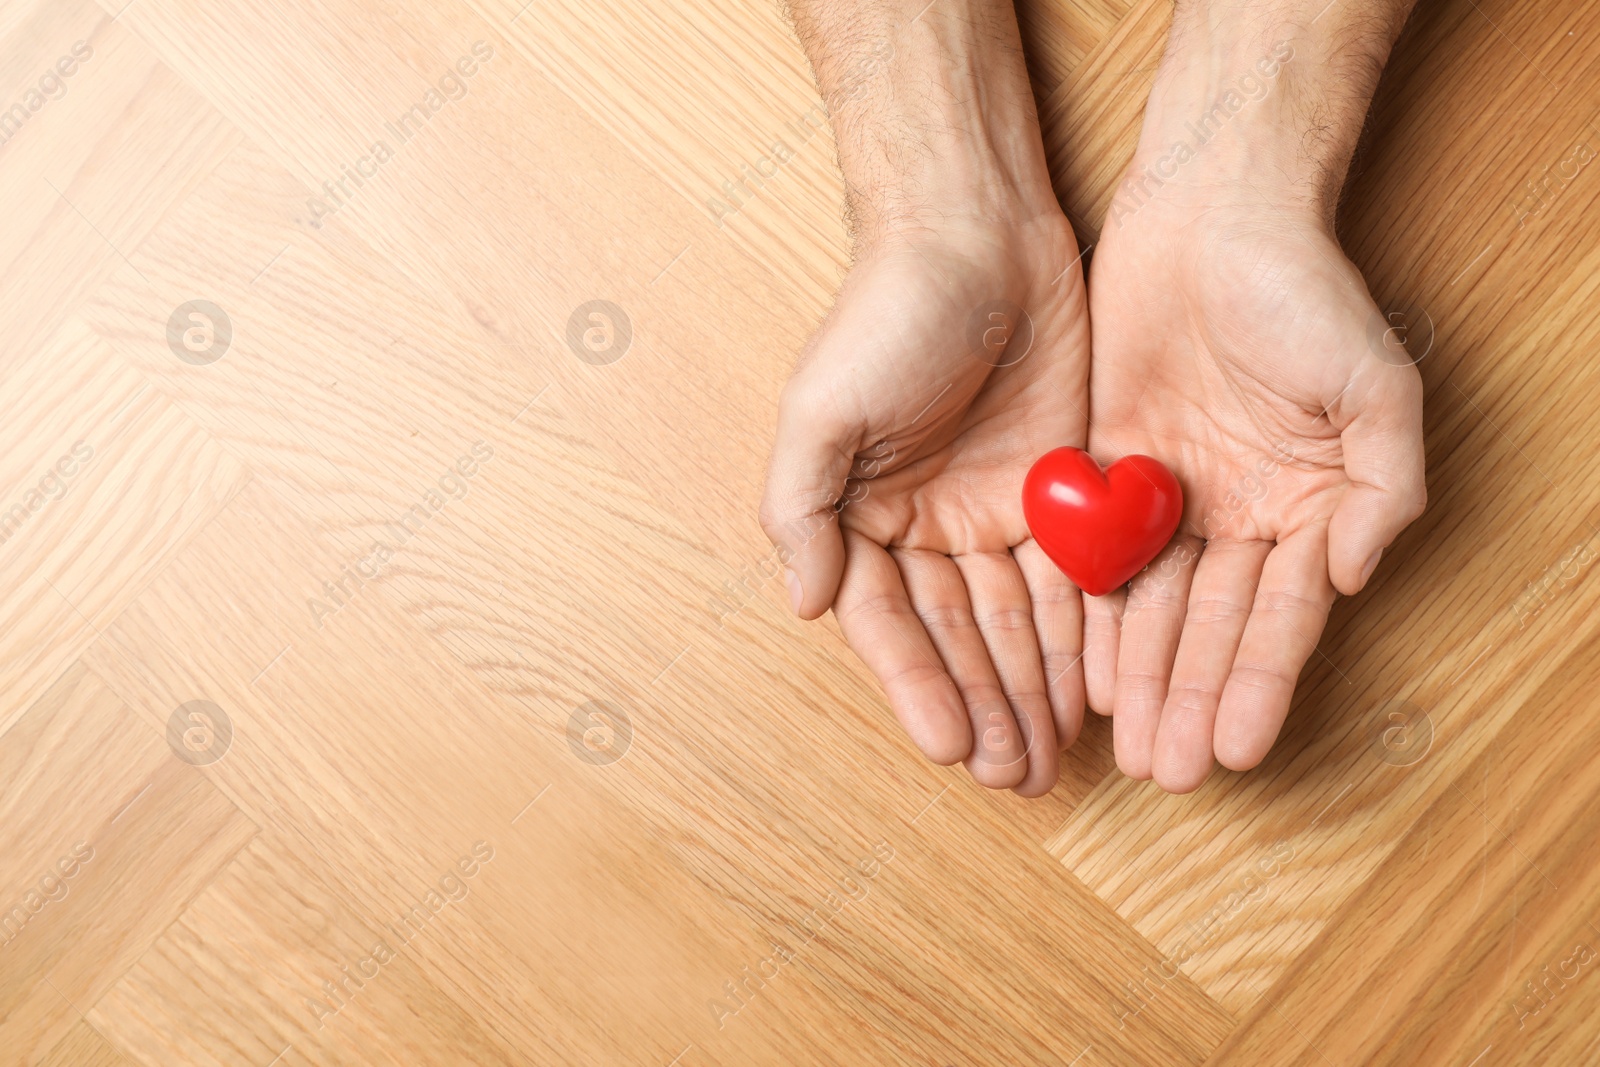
{"type": "Point", "coordinates": [1100, 526]}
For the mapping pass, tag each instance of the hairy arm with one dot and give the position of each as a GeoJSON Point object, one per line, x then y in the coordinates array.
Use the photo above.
{"type": "Point", "coordinates": [1291, 80]}
{"type": "Point", "coordinates": [1231, 334]}
{"type": "Point", "coordinates": [955, 354]}
{"type": "Point", "coordinates": [931, 108]}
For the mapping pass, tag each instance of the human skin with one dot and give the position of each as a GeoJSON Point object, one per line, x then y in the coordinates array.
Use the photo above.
{"type": "Point", "coordinates": [929, 566]}
{"type": "Point", "coordinates": [1232, 337]}
{"type": "Point", "coordinates": [1228, 327]}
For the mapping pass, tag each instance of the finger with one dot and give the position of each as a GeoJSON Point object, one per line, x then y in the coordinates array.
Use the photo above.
{"type": "Point", "coordinates": [1004, 614]}
{"type": "Point", "coordinates": [1286, 619]}
{"type": "Point", "coordinates": [1220, 596]}
{"type": "Point", "coordinates": [876, 617]}
{"type": "Point", "coordinates": [939, 597]}
{"type": "Point", "coordinates": [1102, 631]}
{"type": "Point", "coordinates": [1383, 458]}
{"type": "Point", "coordinates": [1058, 622]}
{"type": "Point", "coordinates": [1151, 625]}
{"type": "Point", "coordinates": [811, 458]}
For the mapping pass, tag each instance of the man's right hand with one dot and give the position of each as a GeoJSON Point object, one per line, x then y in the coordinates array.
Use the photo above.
{"type": "Point", "coordinates": [916, 412]}
{"type": "Point", "coordinates": [956, 354]}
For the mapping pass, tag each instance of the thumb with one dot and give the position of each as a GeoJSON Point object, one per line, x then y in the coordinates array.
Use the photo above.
{"type": "Point", "coordinates": [1383, 459]}
{"type": "Point", "coordinates": [811, 459]}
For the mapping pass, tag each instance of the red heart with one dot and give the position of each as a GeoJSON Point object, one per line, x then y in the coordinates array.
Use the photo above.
{"type": "Point", "coordinates": [1100, 526]}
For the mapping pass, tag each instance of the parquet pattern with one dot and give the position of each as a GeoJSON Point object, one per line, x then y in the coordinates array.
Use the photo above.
{"type": "Point", "coordinates": [392, 670]}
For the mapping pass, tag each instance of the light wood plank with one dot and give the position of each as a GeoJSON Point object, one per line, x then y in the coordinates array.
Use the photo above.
{"type": "Point", "coordinates": [606, 550]}
{"type": "Point", "coordinates": [1444, 628]}
{"type": "Point", "coordinates": [1058, 34]}
{"type": "Point", "coordinates": [99, 468]}
{"type": "Point", "coordinates": [107, 838]}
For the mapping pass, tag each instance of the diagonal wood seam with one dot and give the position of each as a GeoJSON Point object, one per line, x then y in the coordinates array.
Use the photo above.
{"type": "Point", "coordinates": [1091, 126]}
{"type": "Point", "coordinates": [1370, 910]}
{"type": "Point", "coordinates": [236, 803]}
{"type": "Point", "coordinates": [68, 686]}
{"type": "Point", "coordinates": [1463, 694]}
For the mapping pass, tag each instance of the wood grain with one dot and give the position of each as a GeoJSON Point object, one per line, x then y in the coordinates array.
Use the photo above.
{"type": "Point", "coordinates": [115, 838]}
{"type": "Point", "coordinates": [1174, 867]}
{"type": "Point", "coordinates": [1057, 34]}
{"type": "Point", "coordinates": [526, 760]}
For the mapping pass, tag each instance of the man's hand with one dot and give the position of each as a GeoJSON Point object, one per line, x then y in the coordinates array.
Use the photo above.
{"type": "Point", "coordinates": [1234, 341]}
{"type": "Point", "coordinates": [926, 390]}
{"type": "Point", "coordinates": [956, 353]}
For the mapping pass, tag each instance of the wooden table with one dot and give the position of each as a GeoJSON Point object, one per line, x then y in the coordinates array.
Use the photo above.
{"type": "Point", "coordinates": [394, 671]}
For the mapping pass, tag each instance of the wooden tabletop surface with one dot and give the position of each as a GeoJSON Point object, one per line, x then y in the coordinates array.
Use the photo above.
{"type": "Point", "coordinates": [394, 672]}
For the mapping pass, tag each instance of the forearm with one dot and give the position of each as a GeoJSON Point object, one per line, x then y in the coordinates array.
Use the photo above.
{"type": "Point", "coordinates": [931, 108]}
{"type": "Point", "coordinates": [1270, 95]}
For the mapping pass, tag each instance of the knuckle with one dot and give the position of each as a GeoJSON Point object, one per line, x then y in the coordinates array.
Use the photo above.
{"type": "Point", "coordinates": [1261, 679]}
{"type": "Point", "coordinates": [1417, 504]}
{"type": "Point", "coordinates": [1055, 663]}
{"type": "Point", "coordinates": [771, 518]}
{"type": "Point", "coordinates": [916, 674]}
{"type": "Point", "coordinates": [796, 516]}
{"type": "Point", "coordinates": [1102, 628]}
{"type": "Point", "coordinates": [1027, 699]}
{"type": "Point", "coordinates": [1288, 602]}
{"type": "Point", "coordinates": [1191, 699]}
{"type": "Point", "coordinates": [851, 605]}
{"type": "Point", "coordinates": [1055, 594]}
{"type": "Point", "coordinates": [1211, 610]}
{"type": "Point", "coordinates": [1006, 620]}
{"type": "Point", "coordinates": [1157, 592]}
{"type": "Point", "coordinates": [1141, 685]}
{"type": "Point", "coordinates": [981, 696]}
{"type": "Point", "coordinates": [945, 618]}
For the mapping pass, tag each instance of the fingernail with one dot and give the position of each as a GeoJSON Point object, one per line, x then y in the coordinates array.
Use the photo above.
{"type": "Point", "coordinates": [797, 595]}
{"type": "Point", "coordinates": [1372, 565]}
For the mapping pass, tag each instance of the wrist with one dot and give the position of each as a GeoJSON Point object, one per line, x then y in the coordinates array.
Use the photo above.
{"type": "Point", "coordinates": [1219, 133]}
{"type": "Point", "coordinates": [935, 119]}
{"type": "Point", "coordinates": [1258, 102]}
